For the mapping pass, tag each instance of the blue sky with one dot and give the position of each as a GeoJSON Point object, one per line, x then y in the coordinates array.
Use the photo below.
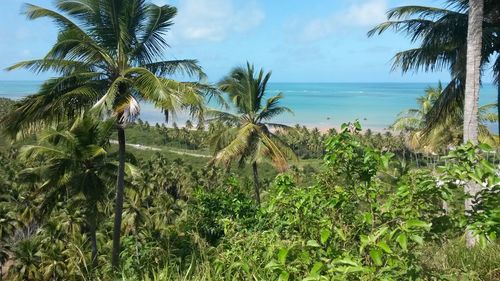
{"type": "Point", "coordinates": [300, 41]}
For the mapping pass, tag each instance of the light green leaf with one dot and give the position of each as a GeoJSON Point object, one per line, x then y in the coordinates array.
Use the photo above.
{"type": "Point", "coordinates": [376, 256]}
{"type": "Point", "coordinates": [403, 241]}
{"type": "Point", "coordinates": [340, 233]}
{"type": "Point", "coordinates": [316, 269]}
{"type": "Point", "coordinates": [284, 276]}
{"type": "Point", "coordinates": [417, 238]}
{"type": "Point", "coordinates": [282, 254]}
{"type": "Point", "coordinates": [418, 224]}
{"type": "Point", "coordinates": [325, 234]}
{"type": "Point", "coordinates": [313, 243]}
{"type": "Point", "coordinates": [382, 245]}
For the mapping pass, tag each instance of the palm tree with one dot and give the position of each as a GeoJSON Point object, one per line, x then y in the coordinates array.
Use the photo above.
{"type": "Point", "coordinates": [109, 57]}
{"type": "Point", "coordinates": [26, 262]}
{"type": "Point", "coordinates": [413, 123]}
{"type": "Point", "coordinates": [472, 82]}
{"type": "Point", "coordinates": [74, 163]}
{"type": "Point", "coordinates": [248, 136]}
{"type": "Point", "coordinates": [442, 37]}
{"type": "Point", "coordinates": [412, 120]}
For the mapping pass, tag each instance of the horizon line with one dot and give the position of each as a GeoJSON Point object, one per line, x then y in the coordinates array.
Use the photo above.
{"type": "Point", "coordinates": [304, 82]}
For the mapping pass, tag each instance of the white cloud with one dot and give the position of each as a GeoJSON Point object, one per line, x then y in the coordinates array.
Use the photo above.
{"type": "Point", "coordinates": [214, 20]}
{"type": "Point", "coordinates": [364, 14]}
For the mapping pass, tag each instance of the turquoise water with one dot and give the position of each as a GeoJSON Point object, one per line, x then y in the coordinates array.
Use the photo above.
{"type": "Point", "coordinates": [322, 105]}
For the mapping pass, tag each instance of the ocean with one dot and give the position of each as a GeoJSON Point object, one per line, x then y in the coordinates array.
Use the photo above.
{"type": "Point", "coordinates": [322, 105]}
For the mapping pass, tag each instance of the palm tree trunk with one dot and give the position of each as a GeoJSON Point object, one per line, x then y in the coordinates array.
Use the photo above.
{"type": "Point", "coordinates": [120, 186]}
{"type": "Point", "coordinates": [93, 241]}
{"type": "Point", "coordinates": [498, 104]}
{"type": "Point", "coordinates": [256, 183]}
{"type": "Point", "coordinates": [472, 81]}
{"type": "Point", "coordinates": [472, 84]}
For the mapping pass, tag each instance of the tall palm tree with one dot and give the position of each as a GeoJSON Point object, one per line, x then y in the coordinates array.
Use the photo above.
{"type": "Point", "coordinates": [248, 136]}
{"type": "Point", "coordinates": [442, 37]}
{"type": "Point", "coordinates": [74, 163]}
{"type": "Point", "coordinates": [109, 54]}
{"type": "Point", "coordinates": [472, 81]}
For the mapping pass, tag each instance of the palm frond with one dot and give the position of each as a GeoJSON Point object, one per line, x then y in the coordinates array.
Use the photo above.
{"type": "Point", "coordinates": [152, 38]}
{"type": "Point", "coordinates": [278, 151]}
{"type": "Point", "coordinates": [186, 67]}
{"type": "Point", "coordinates": [57, 100]}
{"type": "Point", "coordinates": [448, 107]}
{"type": "Point", "coordinates": [238, 146]}
{"type": "Point", "coordinates": [64, 67]}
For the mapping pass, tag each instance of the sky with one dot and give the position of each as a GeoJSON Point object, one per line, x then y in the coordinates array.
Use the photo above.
{"type": "Point", "coordinates": [299, 40]}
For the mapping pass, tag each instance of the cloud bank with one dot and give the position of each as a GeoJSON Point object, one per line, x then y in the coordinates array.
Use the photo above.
{"type": "Point", "coordinates": [363, 14]}
{"type": "Point", "coordinates": [214, 20]}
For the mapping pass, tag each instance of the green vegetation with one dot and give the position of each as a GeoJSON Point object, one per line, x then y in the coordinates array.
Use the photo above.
{"type": "Point", "coordinates": [350, 206]}
{"type": "Point", "coordinates": [413, 124]}
{"type": "Point", "coordinates": [363, 217]}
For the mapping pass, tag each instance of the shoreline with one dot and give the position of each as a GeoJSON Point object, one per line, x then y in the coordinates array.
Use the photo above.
{"type": "Point", "coordinates": [322, 128]}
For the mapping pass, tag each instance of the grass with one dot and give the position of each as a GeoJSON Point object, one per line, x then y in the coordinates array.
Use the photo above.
{"type": "Point", "coordinates": [455, 260]}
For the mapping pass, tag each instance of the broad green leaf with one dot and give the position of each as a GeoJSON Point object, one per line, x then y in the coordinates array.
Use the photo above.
{"type": "Point", "coordinates": [316, 268]}
{"type": "Point", "coordinates": [346, 261]}
{"type": "Point", "coordinates": [367, 217]}
{"type": "Point", "coordinates": [484, 147]}
{"type": "Point", "coordinates": [284, 276]}
{"type": "Point", "coordinates": [376, 256]}
{"type": "Point", "coordinates": [492, 236]}
{"type": "Point", "coordinates": [325, 234]}
{"type": "Point", "coordinates": [313, 243]}
{"type": "Point", "coordinates": [403, 241]}
{"type": "Point", "coordinates": [483, 241]}
{"type": "Point", "coordinates": [417, 238]}
{"type": "Point", "coordinates": [417, 224]}
{"type": "Point", "coordinates": [382, 245]}
{"type": "Point", "coordinates": [282, 254]}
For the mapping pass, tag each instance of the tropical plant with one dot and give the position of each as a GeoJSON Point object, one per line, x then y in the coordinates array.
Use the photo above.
{"type": "Point", "coordinates": [442, 37]}
{"type": "Point", "coordinates": [411, 120]}
{"type": "Point", "coordinates": [109, 56]}
{"type": "Point", "coordinates": [72, 163]}
{"type": "Point", "coordinates": [413, 124]}
{"type": "Point", "coordinates": [248, 136]}
{"type": "Point", "coordinates": [26, 264]}
{"type": "Point", "coordinates": [468, 165]}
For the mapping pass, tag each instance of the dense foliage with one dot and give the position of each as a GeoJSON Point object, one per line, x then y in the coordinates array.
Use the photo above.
{"type": "Point", "coordinates": [364, 218]}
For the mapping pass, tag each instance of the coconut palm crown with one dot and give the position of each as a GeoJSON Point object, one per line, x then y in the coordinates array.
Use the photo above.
{"type": "Point", "coordinates": [74, 163]}
{"type": "Point", "coordinates": [109, 57]}
{"type": "Point", "coordinates": [248, 136]}
{"type": "Point", "coordinates": [441, 35]}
